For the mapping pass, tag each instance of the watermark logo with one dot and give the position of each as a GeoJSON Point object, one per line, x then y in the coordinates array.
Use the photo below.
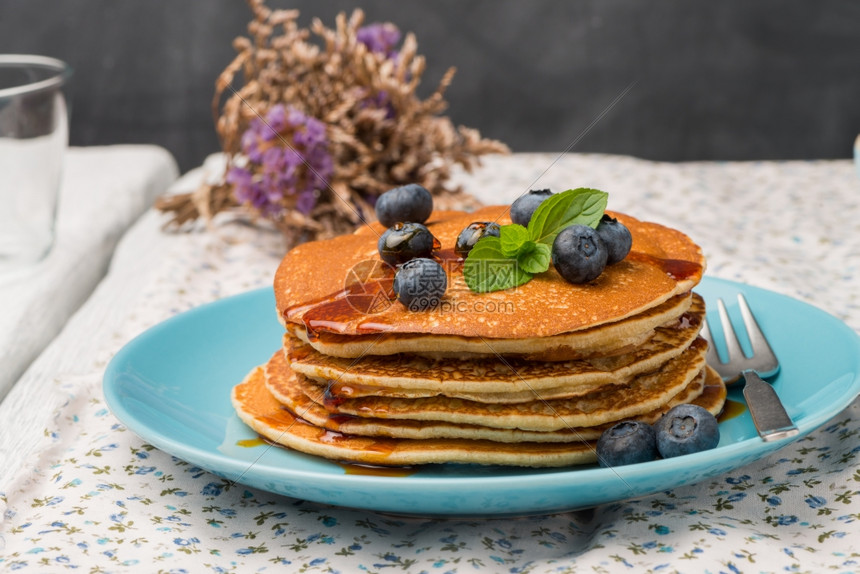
{"type": "Point", "coordinates": [369, 289]}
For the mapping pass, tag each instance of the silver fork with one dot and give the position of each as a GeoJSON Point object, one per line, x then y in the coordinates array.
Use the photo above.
{"type": "Point", "coordinates": [768, 414]}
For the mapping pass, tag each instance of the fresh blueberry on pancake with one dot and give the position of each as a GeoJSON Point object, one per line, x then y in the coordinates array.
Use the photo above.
{"type": "Point", "coordinates": [404, 241]}
{"type": "Point", "coordinates": [412, 203]}
{"type": "Point", "coordinates": [472, 233]}
{"type": "Point", "coordinates": [627, 442]}
{"type": "Point", "coordinates": [616, 237]}
{"type": "Point", "coordinates": [579, 254]}
{"type": "Point", "coordinates": [686, 429]}
{"type": "Point", "coordinates": [420, 284]}
{"type": "Point", "coordinates": [525, 205]}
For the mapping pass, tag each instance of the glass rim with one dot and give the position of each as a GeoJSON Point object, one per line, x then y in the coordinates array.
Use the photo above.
{"type": "Point", "coordinates": [62, 69]}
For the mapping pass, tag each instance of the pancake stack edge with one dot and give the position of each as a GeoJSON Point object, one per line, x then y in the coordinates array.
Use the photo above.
{"type": "Point", "coordinates": [534, 386]}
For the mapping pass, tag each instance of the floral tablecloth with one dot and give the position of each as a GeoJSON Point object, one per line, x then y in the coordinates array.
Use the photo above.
{"type": "Point", "coordinates": [78, 491]}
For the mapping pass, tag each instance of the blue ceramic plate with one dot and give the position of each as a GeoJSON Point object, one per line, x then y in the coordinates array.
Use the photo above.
{"type": "Point", "coordinates": [171, 385]}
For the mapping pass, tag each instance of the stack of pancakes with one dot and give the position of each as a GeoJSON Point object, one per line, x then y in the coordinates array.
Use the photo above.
{"type": "Point", "coordinates": [529, 376]}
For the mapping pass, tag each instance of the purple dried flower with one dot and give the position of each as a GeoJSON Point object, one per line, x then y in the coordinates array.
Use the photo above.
{"type": "Point", "coordinates": [250, 147]}
{"type": "Point", "coordinates": [295, 117]}
{"type": "Point", "coordinates": [277, 118]}
{"type": "Point", "coordinates": [287, 155]}
{"type": "Point", "coordinates": [249, 191]}
{"type": "Point", "coordinates": [239, 176]}
{"type": "Point", "coordinates": [380, 38]}
{"type": "Point", "coordinates": [306, 202]}
{"type": "Point", "coordinates": [380, 100]}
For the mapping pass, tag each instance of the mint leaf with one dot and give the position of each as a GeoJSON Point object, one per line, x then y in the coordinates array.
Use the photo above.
{"type": "Point", "coordinates": [575, 206]}
{"type": "Point", "coordinates": [488, 269]}
{"type": "Point", "coordinates": [512, 238]}
{"type": "Point", "coordinates": [537, 259]}
{"type": "Point", "coordinates": [507, 261]}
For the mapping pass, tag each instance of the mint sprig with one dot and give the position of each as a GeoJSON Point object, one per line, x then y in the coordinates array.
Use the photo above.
{"type": "Point", "coordinates": [537, 259]}
{"type": "Point", "coordinates": [487, 268]}
{"type": "Point", "coordinates": [519, 253]}
{"type": "Point", "coordinates": [581, 206]}
{"type": "Point", "coordinates": [513, 239]}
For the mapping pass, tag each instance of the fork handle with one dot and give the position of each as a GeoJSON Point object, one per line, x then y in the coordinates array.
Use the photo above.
{"type": "Point", "coordinates": [769, 416]}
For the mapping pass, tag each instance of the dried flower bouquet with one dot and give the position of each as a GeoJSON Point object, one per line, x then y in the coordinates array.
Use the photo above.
{"type": "Point", "coordinates": [325, 121]}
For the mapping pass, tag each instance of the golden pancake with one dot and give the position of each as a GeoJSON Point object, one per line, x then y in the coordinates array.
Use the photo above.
{"type": "Point", "coordinates": [603, 340]}
{"type": "Point", "coordinates": [642, 394]}
{"type": "Point", "coordinates": [257, 408]}
{"type": "Point", "coordinates": [493, 379]}
{"type": "Point", "coordinates": [528, 376]}
{"type": "Point", "coordinates": [310, 286]}
{"type": "Point", "coordinates": [707, 390]}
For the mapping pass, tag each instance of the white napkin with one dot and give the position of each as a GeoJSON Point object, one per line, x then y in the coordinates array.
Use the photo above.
{"type": "Point", "coordinates": [104, 190]}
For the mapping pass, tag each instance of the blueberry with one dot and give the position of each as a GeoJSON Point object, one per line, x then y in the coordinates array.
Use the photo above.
{"type": "Point", "coordinates": [579, 254]}
{"type": "Point", "coordinates": [420, 283]}
{"type": "Point", "coordinates": [472, 233]}
{"type": "Point", "coordinates": [404, 241]}
{"type": "Point", "coordinates": [686, 429]}
{"type": "Point", "coordinates": [616, 237]}
{"type": "Point", "coordinates": [524, 206]}
{"type": "Point", "coordinates": [411, 203]}
{"type": "Point", "coordinates": [627, 442]}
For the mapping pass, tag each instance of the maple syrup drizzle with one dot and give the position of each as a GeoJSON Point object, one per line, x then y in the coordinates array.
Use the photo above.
{"type": "Point", "coordinates": [731, 409]}
{"type": "Point", "coordinates": [342, 389]}
{"type": "Point", "coordinates": [449, 260]}
{"type": "Point", "coordinates": [291, 313]}
{"type": "Point", "coordinates": [338, 419]}
{"type": "Point", "coordinates": [370, 291]}
{"type": "Point", "coordinates": [300, 420]}
{"type": "Point", "coordinates": [259, 441]}
{"type": "Point", "coordinates": [379, 446]}
{"type": "Point", "coordinates": [372, 470]}
{"type": "Point", "coordinates": [251, 442]}
{"type": "Point", "coordinates": [678, 269]}
{"type": "Point", "coordinates": [338, 311]}
{"type": "Point", "coordinates": [353, 390]}
{"type": "Point", "coordinates": [348, 467]}
{"type": "Point", "coordinates": [331, 399]}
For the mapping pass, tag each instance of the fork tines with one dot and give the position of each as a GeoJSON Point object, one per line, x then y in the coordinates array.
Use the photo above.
{"type": "Point", "coordinates": [762, 360]}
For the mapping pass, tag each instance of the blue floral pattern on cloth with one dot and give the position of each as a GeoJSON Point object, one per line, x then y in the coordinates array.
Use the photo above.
{"type": "Point", "coordinates": [93, 497]}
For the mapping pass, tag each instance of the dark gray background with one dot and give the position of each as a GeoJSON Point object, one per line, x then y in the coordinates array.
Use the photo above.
{"type": "Point", "coordinates": [713, 80]}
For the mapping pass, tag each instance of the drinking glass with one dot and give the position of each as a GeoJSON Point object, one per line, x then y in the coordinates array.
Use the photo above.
{"type": "Point", "coordinates": [34, 132]}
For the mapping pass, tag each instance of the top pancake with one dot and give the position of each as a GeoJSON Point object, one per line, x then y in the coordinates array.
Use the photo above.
{"type": "Point", "coordinates": [662, 263]}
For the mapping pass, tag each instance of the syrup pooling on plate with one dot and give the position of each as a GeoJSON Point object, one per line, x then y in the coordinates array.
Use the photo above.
{"type": "Point", "coordinates": [732, 409]}
{"type": "Point", "coordinates": [251, 442]}
{"type": "Point", "coordinates": [372, 470]}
